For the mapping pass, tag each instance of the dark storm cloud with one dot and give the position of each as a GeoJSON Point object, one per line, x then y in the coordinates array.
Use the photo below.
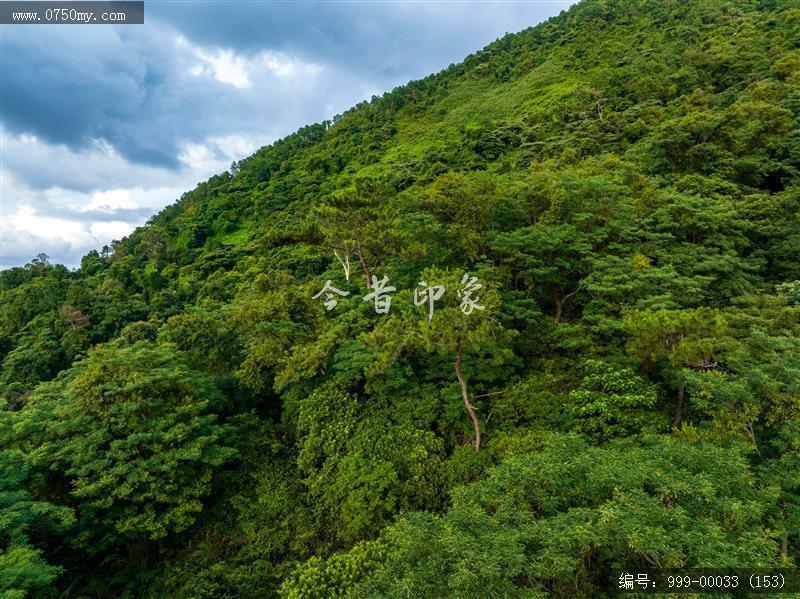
{"type": "Point", "coordinates": [72, 88]}
{"type": "Point", "coordinates": [401, 38]}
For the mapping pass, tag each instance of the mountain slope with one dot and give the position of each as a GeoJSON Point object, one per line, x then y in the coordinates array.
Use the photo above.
{"type": "Point", "coordinates": [623, 183]}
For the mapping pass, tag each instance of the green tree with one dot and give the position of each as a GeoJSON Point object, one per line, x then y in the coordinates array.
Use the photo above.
{"type": "Point", "coordinates": [674, 342]}
{"type": "Point", "coordinates": [23, 568]}
{"type": "Point", "coordinates": [132, 434]}
{"type": "Point", "coordinates": [613, 402]}
{"type": "Point", "coordinates": [564, 521]}
{"type": "Point", "coordinates": [461, 336]}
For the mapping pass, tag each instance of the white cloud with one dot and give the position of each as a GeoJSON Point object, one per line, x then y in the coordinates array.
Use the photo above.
{"type": "Point", "coordinates": [27, 220]}
{"type": "Point", "coordinates": [116, 229]}
{"type": "Point", "coordinates": [197, 154]}
{"type": "Point", "coordinates": [226, 66]}
{"type": "Point", "coordinates": [111, 200]}
{"type": "Point", "coordinates": [233, 146]}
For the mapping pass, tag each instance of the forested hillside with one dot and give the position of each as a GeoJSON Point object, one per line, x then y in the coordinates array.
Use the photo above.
{"type": "Point", "coordinates": [182, 417]}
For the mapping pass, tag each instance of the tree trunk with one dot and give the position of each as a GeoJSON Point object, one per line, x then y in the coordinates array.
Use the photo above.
{"type": "Point", "coordinates": [559, 309]}
{"type": "Point", "coordinates": [465, 396]}
{"type": "Point", "coordinates": [676, 424]}
{"type": "Point", "coordinates": [560, 301]}
{"type": "Point", "coordinates": [365, 267]}
{"type": "Point", "coordinates": [752, 434]}
{"type": "Point", "coordinates": [785, 548]}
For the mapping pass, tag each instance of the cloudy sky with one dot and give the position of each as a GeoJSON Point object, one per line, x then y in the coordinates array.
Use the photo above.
{"type": "Point", "coordinates": [103, 125]}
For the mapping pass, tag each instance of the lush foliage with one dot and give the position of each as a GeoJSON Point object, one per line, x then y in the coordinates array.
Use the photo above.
{"type": "Point", "coordinates": [623, 182]}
